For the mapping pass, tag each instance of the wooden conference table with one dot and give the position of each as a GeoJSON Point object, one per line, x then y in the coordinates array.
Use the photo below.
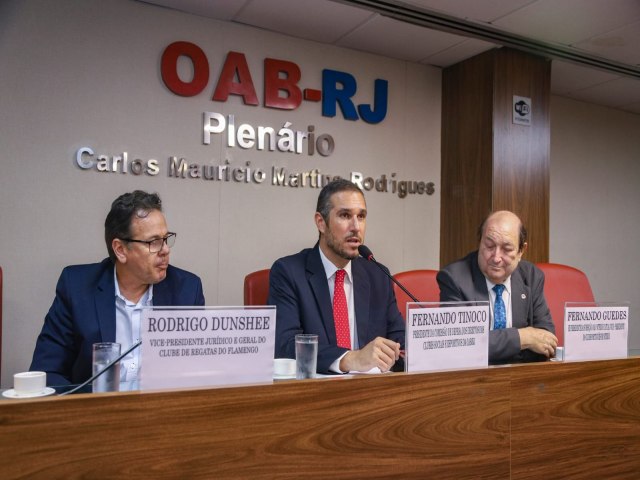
{"type": "Point", "coordinates": [540, 421]}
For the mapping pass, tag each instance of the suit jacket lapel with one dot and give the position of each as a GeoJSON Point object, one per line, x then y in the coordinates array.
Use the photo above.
{"type": "Point", "coordinates": [105, 305]}
{"type": "Point", "coordinates": [480, 291]}
{"type": "Point", "coordinates": [317, 279]}
{"type": "Point", "coordinates": [162, 294]}
{"type": "Point", "coordinates": [519, 300]}
{"type": "Point", "coordinates": [361, 296]}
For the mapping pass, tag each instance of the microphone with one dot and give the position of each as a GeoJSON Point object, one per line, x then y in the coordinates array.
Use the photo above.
{"type": "Point", "coordinates": [364, 251]}
{"type": "Point", "coordinates": [105, 369]}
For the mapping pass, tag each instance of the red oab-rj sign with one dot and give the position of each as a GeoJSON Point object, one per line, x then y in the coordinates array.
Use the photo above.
{"type": "Point", "coordinates": [281, 84]}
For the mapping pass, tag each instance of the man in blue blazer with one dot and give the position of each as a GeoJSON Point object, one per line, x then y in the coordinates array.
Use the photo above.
{"type": "Point", "coordinates": [102, 302]}
{"type": "Point", "coordinates": [302, 286]}
{"type": "Point", "coordinates": [528, 332]}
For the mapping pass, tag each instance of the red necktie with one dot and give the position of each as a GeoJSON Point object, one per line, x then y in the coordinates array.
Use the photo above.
{"type": "Point", "coordinates": [340, 312]}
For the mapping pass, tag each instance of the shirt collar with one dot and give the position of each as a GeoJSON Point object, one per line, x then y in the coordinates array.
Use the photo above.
{"type": "Point", "coordinates": [330, 269]}
{"type": "Point", "coordinates": [145, 300]}
{"type": "Point", "coordinates": [506, 283]}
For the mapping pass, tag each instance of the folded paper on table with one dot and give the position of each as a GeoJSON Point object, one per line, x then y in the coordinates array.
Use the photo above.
{"type": "Point", "coordinates": [596, 330]}
{"type": "Point", "coordinates": [206, 346]}
{"type": "Point", "coordinates": [447, 335]}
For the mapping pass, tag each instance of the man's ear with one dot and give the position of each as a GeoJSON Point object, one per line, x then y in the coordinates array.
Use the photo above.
{"type": "Point", "coordinates": [320, 224]}
{"type": "Point", "coordinates": [524, 248]}
{"type": "Point", "coordinates": [120, 250]}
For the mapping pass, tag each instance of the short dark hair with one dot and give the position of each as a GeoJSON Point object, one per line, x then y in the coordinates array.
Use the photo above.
{"type": "Point", "coordinates": [522, 233]}
{"type": "Point", "coordinates": [324, 205]}
{"type": "Point", "coordinates": [118, 221]}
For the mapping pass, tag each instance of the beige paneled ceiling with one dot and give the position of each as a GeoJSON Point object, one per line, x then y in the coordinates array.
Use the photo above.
{"type": "Point", "coordinates": [594, 44]}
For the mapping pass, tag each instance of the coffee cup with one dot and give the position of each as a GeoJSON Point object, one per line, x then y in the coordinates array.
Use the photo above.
{"type": "Point", "coordinates": [284, 367]}
{"type": "Point", "coordinates": [29, 383]}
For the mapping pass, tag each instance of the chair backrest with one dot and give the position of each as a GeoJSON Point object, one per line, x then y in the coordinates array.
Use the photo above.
{"type": "Point", "coordinates": [421, 283]}
{"type": "Point", "coordinates": [563, 283]}
{"type": "Point", "coordinates": [256, 287]}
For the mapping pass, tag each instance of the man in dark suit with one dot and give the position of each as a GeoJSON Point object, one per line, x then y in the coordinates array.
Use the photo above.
{"type": "Point", "coordinates": [521, 325]}
{"type": "Point", "coordinates": [102, 302]}
{"type": "Point", "coordinates": [367, 330]}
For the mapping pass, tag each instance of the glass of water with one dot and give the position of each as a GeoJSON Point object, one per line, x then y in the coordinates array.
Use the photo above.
{"type": "Point", "coordinates": [306, 355]}
{"type": "Point", "coordinates": [103, 354]}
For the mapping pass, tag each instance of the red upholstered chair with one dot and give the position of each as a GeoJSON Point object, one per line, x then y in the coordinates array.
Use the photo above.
{"type": "Point", "coordinates": [563, 283]}
{"type": "Point", "coordinates": [0, 319]}
{"type": "Point", "coordinates": [256, 287]}
{"type": "Point", "coordinates": [421, 283]}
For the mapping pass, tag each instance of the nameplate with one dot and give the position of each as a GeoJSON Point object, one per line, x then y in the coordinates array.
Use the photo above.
{"type": "Point", "coordinates": [199, 347]}
{"type": "Point", "coordinates": [595, 331]}
{"type": "Point", "coordinates": [447, 335]}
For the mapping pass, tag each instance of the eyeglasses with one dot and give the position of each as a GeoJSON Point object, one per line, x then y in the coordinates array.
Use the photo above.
{"type": "Point", "coordinates": [156, 245]}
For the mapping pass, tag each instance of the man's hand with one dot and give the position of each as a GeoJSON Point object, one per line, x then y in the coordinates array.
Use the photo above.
{"type": "Point", "coordinates": [380, 352]}
{"type": "Point", "coordinates": [538, 340]}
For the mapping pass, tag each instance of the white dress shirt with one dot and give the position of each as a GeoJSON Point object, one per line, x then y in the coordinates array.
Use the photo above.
{"type": "Point", "coordinates": [128, 332]}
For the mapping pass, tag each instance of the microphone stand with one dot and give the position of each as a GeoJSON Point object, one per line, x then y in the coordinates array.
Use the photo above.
{"type": "Point", "coordinates": [367, 255]}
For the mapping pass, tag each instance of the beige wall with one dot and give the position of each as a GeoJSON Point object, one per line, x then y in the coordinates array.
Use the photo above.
{"type": "Point", "coordinates": [595, 195]}
{"type": "Point", "coordinates": [86, 73]}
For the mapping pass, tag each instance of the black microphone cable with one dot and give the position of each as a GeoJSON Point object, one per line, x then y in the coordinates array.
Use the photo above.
{"type": "Point", "coordinates": [106, 368]}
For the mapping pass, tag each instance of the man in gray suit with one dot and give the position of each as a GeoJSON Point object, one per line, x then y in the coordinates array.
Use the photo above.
{"type": "Point", "coordinates": [521, 325]}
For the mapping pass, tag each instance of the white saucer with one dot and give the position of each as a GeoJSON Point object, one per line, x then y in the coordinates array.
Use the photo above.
{"type": "Point", "coordinates": [12, 393]}
{"type": "Point", "coordinates": [284, 377]}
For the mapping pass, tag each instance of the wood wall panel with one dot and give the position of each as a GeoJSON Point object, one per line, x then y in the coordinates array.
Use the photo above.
{"type": "Point", "coordinates": [489, 163]}
{"type": "Point", "coordinates": [467, 155]}
{"type": "Point", "coordinates": [521, 153]}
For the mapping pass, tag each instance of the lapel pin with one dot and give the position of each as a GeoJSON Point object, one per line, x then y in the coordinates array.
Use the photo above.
{"type": "Point", "coordinates": [523, 296]}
